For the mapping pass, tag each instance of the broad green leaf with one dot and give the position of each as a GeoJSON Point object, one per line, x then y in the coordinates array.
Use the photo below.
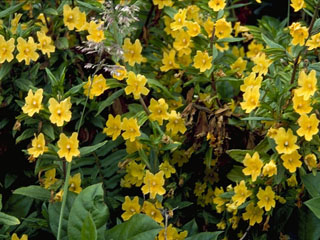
{"type": "Point", "coordinates": [34, 191]}
{"type": "Point", "coordinates": [191, 227]}
{"type": "Point", "coordinates": [11, 10]}
{"type": "Point", "coordinates": [62, 43]}
{"type": "Point", "coordinates": [238, 154]}
{"type": "Point", "coordinates": [109, 100]}
{"type": "Point", "coordinates": [88, 230]}
{"type": "Point", "coordinates": [90, 200]}
{"type": "Point", "coordinates": [308, 225]}
{"type": "Point", "coordinates": [8, 219]}
{"type": "Point", "coordinates": [314, 205]}
{"type": "Point", "coordinates": [26, 134]}
{"type": "Point", "coordinates": [236, 174]}
{"type": "Point", "coordinates": [138, 227]}
{"type": "Point", "coordinates": [312, 185]}
{"type": "Point", "coordinates": [87, 150]}
{"type": "Point", "coordinates": [205, 236]}
{"type": "Point", "coordinates": [5, 69]}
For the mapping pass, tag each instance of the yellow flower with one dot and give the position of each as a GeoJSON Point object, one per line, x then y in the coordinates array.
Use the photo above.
{"type": "Point", "coordinates": [131, 207]}
{"type": "Point", "coordinates": [219, 201]}
{"type": "Point", "coordinates": [15, 22]}
{"type": "Point", "coordinates": [49, 178]}
{"type": "Point", "coordinates": [308, 126]}
{"type": "Point", "coordinates": [168, 61]}
{"type": "Point", "coordinates": [223, 28]}
{"type": "Point", "coordinates": [179, 19]}
{"type": "Point", "coordinates": [131, 129]}
{"type": "Point", "coordinates": [113, 126]}
{"type": "Point", "coordinates": [6, 49]}
{"type": "Point", "coordinates": [254, 49]}
{"type": "Point", "coordinates": [15, 237]}
{"type": "Point", "coordinates": [60, 112]}
{"type": "Point", "coordinates": [199, 188]}
{"type": "Point", "coordinates": [68, 147]}
{"type": "Point", "coordinates": [158, 110]}
{"type": "Point", "coordinates": [96, 33]}
{"type": "Point", "coordinates": [38, 146]}
{"type": "Point", "coordinates": [136, 85]}
{"type": "Point", "coordinates": [167, 21]}
{"type": "Point", "coordinates": [193, 28]}
{"type": "Point", "coordinates": [45, 44]}
{"type": "Point", "coordinates": [58, 196]}
{"type": "Point", "coordinates": [299, 34]}
{"type": "Point", "coordinates": [33, 102]}
{"type": "Point", "coordinates": [253, 214]}
{"type": "Point", "coordinates": [217, 5]}
{"type": "Point", "coordinates": [163, 3]}
{"type": "Point", "coordinates": [202, 61]}
{"type": "Point", "coordinates": [222, 46]}
{"type": "Point", "coordinates": [119, 73]}
{"type": "Point", "coordinates": [27, 50]}
{"type": "Point", "coordinates": [285, 141]}
{"type": "Point", "coordinates": [182, 40]}
{"type": "Point", "coordinates": [262, 64]}
{"type": "Point", "coordinates": [238, 52]}
{"type": "Point", "coordinates": [238, 29]}
{"type": "Point", "coordinates": [171, 233]}
{"type": "Point", "coordinates": [292, 181]}
{"type": "Point", "coordinates": [266, 198]}
{"type": "Point", "coordinates": [269, 169]}
{"type": "Point", "coordinates": [314, 42]}
{"type": "Point", "coordinates": [300, 105]}
{"type": "Point", "coordinates": [297, 4]}
{"type": "Point", "coordinates": [258, 1]}
{"type": "Point", "coordinates": [311, 161]}
{"type": "Point", "coordinates": [291, 161]}
{"type": "Point", "coordinates": [81, 24]}
{"type": "Point", "coordinates": [307, 83]}
{"type": "Point", "coordinates": [75, 183]}
{"type": "Point", "coordinates": [208, 26]}
{"type": "Point", "coordinates": [176, 123]}
{"type": "Point", "coordinates": [132, 147]}
{"type": "Point", "coordinates": [179, 157]}
{"type": "Point", "coordinates": [151, 210]}
{"type": "Point", "coordinates": [98, 86]}
{"type": "Point", "coordinates": [132, 52]}
{"type": "Point", "coordinates": [252, 165]}
{"type": "Point", "coordinates": [153, 184]}
{"type": "Point", "coordinates": [167, 169]}
{"type": "Point", "coordinates": [251, 99]}
{"type": "Point", "coordinates": [70, 16]}
{"type": "Point", "coordinates": [239, 65]}
{"type": "Point", "coordinates": [251, 81]}
{"type": "Point", "coordinates": [241, 193]}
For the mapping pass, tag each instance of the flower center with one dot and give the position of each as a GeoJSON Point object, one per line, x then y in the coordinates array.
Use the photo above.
{"type": "Point", "coordinates": [154, 183]}
{"type": "Point", "coordinates": [131, 51]}
{"type": "Point", "coordinates": [153, 213]}
{"type": "Point", "coordinates": [34, 102]}
{"type": "Point", "coordinates": [39, 146]}
{"type": "Point", "coordinates": [27, 50]}
{"type": "Point", "coordinates": [131, 130]}
{"type": "Point", "coordinates": [159, 111]}
{"type": "Point", "coordinates": [118, 74]}
{"type": "Point", "coordinates": [68, 146]}
{"type": "Point", "coordinates": [184, 40]}
{"type": "Point", "coordinates": [70, 18]}
{"type": "Point", "coordinates": [59, 112]}
{"type": "Point", "coordinates": [176, 121]}
{"type": "Point", "coordinates": [309, 86]}
{"type": "Point", "coordinates": [170, 63]}
{"type": "Point", "coordinates": [286, 143]}
{"type": "Point", "coordinates": [132, 210]}
{"type": "Point", "coordinates": [203, 61]}
{"type": "Point", "coordinates": [72, 185]}
{"type": "Point", "coordinates": [179, 20]}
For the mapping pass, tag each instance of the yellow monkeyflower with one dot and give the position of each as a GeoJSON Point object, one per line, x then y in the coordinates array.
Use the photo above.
{"type": "Point", "coordinates": [75, 183]}
{"type": "Point", "coordinates": [70, 16]}
{"type": "Point", "coordinates": [167, 169]}
{"type": "Point", "coordinates": [15, 237]}
{"type": "Point", "coordinates": [15, 22]}
{"type": "Point", "coordinates": [6, 49]}
{"type": "Point", "coordinates": [307, 83]}
{"type": "Point", "coordinates": [179, 19]}
{"type": "Point", "coordinates": [262, 64]}
{"type": "Point", "coordinates": [251, 81]}
{"type": "Point", "coordinates": [308, 126]}
{"type": "Point", "coordinates": [285, 141]}
{"type": "Point", "coordinates": [314, 42]}
{"type": "Point", "coordinates": [132, 147]}
{"type": "Point", "coordinates": [223, 29]}
{"type": "Point", "coordinates": [239, 65]}
{"type": "Point", "coordinates": [45, 44]}
{"type": "Point", "coordinates": [219, 201]}
{"type": "Point", "coordinates": [241, 193]}
{"type": "Point", "coordinates": [299, 33]}
{"type": "Point", "coordinates": [251, 99]}
{"type": "Point", "coordinates": [266, 198]}
{"type": "Point", "coordinates": [119, 73]}
{"type": "Point", "coordinates": [131, 207]}
{"type": "Point", "coordinates": [208, 26]}
{"type": "Point", "coordinates": [136, 170]}
{"type": "Point", "coordinates": [33, 102]}
{"type": "Point", "coordinates": [292, 181]}
{"type": "Point", "coordinates": [27, 50]}
{"type": "Point", "coordinates": [269, 169]}
{"type": "Point", "coordinates": [171, 233]}
{"type": "Point", "coordinates": [168, 61]}
{"type": "Point", "coordinates": [49, 178]}
{"type": "Point", "coordinates": [193, 28]}
{"type": "Point", "coordinates": [96, 34]}
{"type": "Point", "coordinates": [252, 165]}
{"type": "Point", "coordinates": [179, 157]}
{"type": "Point", "coordinates": [202, 61]}
{"type": "Point", "coordinates": [238, 29]}
{"type": "Point", "coordinates": [158, 110]}
{"type": "Point", "coordinates": [217, 5]}
{"type": "Point", "coordinates": [68, 147]}
{"type": "Point", "coordinates": [291, 161]}
{"type": "Point", "coordinates": [98, 86]}
{"type": "Point", "coordinates": [153, 184]}
{"type": "Point", "coordinates": [132, 52]}
{"type": "Point", "coordinates": [81, 24]}
{"type": "Point", "coordinates": [113, 126]}
{"type": "Point", "coordinates": [254, 49]}
{"type": "Point", "coordinates": [58, 196]}
{"type": "Point", "coordinates": [253, 214]}
{"type": "Point", "coordinates": [297, 4]}
{"type": "Point", "coordinates": [182, 40]}
{"type": "Point", "coordinates": [311, 161]}
{"type": "Point", "coordinates": [136, 85]}
{"type": "Point", "coordinates": [151, 210]}
{"type": "Point", "coordinates": [199, 188]}
{"type": "Point", "coordinates": [176, 123]}
{"type": "Point", "coordinates": [38, 146]}
{"type": "Point", "coordinates": [238, 52]}
{"type": "Point", "coordinates": [60, 112]}
{"type": "Point", "coordinates": [163, 3]}
{"type": "Point", "coordinates": [131, 129]}
{"type": "Point", "coordinates": [300, 105]}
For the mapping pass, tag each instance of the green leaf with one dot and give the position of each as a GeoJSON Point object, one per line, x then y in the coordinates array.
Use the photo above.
{"type": "Point", "coordinates": [238, 154]}
{"type": "Point", "coordinates": [191, 227]}
{"type": "Point", "coordinates": [90, 200]}
{"type": "Point", "coordinates": [11, 10]}
{"type": "Point", "coordinates": [109, 101]}
{"type": "Point", "coordinates": [236, 174]}
{"type": "Point", "coordinates": [48, 130]}
{"type": "Point", "coordinates": [271, 43]}
{"type": "Point", "coordinates": [138, 227]}
{"type": "Point", "coordinates": [26, 134]}
{"type": "Point", "coordinates": [311, 183]}
{"type": "Point", "coordinates": [230, 40]}
{"type": "Point", "coordinates": [205, 236]}
{"type": "Point", "coordinates": [155, 84]}
{"type": "Point", "coordinates": [51, 11]}
{"type": "Point", "coordinates": [34, 191]}
{"type": "Point", "coordinates": [257, 119]}
{"type": "Point", "coordinates": [89, 6]}
{"type": "Point", "coordinates": [88, 230]}
{"type": "Point", "coordinates": [5, 69]}
{"type": "Point", "coordinates": [62, 43]}
{"type": "Point", "coordinates": [87, 150]}
{"type": "Point", "coordinates": [8, 219]}
{"type": "Point", "coordinates": [314, 205]}
{"type": "Point", "coordinates": [52, 78]}
{"type": "Point", "coordinates": [74, 89]}
{"type": "Point", "coordinates": [308, 225]}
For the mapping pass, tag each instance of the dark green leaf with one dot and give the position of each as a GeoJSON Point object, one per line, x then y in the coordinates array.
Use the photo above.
{"type": "Point", "coordinates": [205, 236]}
{"type": "Point", "coordinates": [236, 174]}
{"type": "Point", "coordinates": [8, 219]}
{"type": "Point", "coordinates": [238, 154]}
{"type": "Point", "coordinates": [314, 205]}
{"type": "Point", "coordinates": [109, 101]}
{"type": "Point", "coordinates": [52, 78]}
{"type": "Point", "coordinates": [11, 10]}
{"type": "Point", "coordinates": [87, 150]}
{"type": "Point", "coordinates": [312, 185]}
{"type": "Point", "coordinates": [34, 191]}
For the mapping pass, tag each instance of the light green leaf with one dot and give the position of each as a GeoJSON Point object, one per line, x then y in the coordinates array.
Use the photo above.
{"type": "Point", "coordinates": [205, 236]}
{"type": "Point", "coordinates": [311, 183]}
{"type": "Point", "coordinates": [34, 191]}
{"type": "Point", "coordinates": [11, 10]}
{"type": "Point", "coordinates": [87, 150]}
{"type": "Point", "coordinates": [109, 101]}
{"type": "Point", "coordinates": [236, 174]}
{"type": "Point", "coordinates": [271, 43]}
{"type": "Point", "coordinates": [88, 230]}
{"type": "Point", "coordinates": [314, 205]}
{"type": "Point", "coordinates": [8, 219]}
{"type": "Point", "coordinates": [238, 154]}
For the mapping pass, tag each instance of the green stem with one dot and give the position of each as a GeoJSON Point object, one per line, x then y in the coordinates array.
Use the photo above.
{"type": "Point", "coordinates": [288, 14]}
